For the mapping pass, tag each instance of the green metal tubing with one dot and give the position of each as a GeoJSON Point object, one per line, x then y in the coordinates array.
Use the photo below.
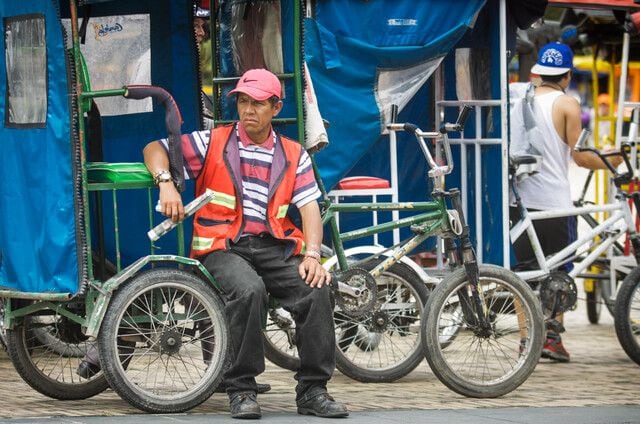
{"type": "Point", "coordinates": [402, 251]}
{"type": "Point", "coordinates": [180, 235]}
{"type": "Point", "coordinates": [102, 186]}
{"type": "Point", "coordinates": [100, 226]}
{"type": "Point", "coordinates": [232, 80]}
{"type": "Point", "coordinates": [54, 297]}
{"type": "Point", "coordinates": [388, 206]}
{"type": "Point", "coordinates": [56, 307]}
{"type": "Point", "coordinates": [404, 222]}
{"type": "Point", "coordinates": [103, 93]}
{"type": "Point", "coordinates": [297, 63]}
{"type": "Point", "coordinates": [152, 248]}
{"type": "Point", "coordinates": [116, 230]}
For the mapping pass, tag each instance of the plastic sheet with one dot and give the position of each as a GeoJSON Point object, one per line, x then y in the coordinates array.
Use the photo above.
{"type": "Point", "coordinates": [117, 52]}
{"type": "Point", "coordinates": [256, 36]}
{"type": "Point", "coordinates": [26, 63]}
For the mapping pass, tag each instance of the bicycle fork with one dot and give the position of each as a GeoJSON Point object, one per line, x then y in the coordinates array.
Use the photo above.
{"type": "Point", "coordinates": [471, 297]}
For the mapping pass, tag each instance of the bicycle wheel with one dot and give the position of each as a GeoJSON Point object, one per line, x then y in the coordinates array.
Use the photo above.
{"type": "Point", "coordinates": [164, 340]}
{"type": "Point", "coordinates": [279, 338]}
{"type": "Point", "coordinates": [594, 301]}
{"type": "Point", "coordinates": [385, 345]}
{"type": "Point", "coordinates": [479, 363]}
{"type": "Point", "coordinates": [47, 368]}
{"type": "Point", "coordinates": [627, 315]}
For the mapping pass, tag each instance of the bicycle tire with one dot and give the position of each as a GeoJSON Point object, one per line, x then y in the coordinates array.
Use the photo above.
{"type": "Point", "coordinates": [48, 370]}
{"type": "Point", "coordinates": [384, 346]}
{"type": "Point", "coordinates": [627, 315]}
{"type": "Point", "coordinates": [510, 346]}
{"type": "Point", "coordinates": [157, 323]}
{"type": "Point", "coordinates": [594, 303]}
{"type": "Point", "coordinates": [278, 338]}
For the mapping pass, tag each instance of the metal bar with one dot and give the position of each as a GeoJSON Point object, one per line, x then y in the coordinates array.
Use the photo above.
{"type": "Point", "coordinates": [504, 153]}
{"type": "Point", "coordinates": [285, 121]}
{"type": "Point", "coordinates": [385, 206]}
{"type": "Point", "coordinates": [103, 93]}
{"type": "Point", "coordinates": [152, 248]}
{"type": "Point", "coordinates": [478, 186]}
{"type": "Point", "coordinates": [54, 297]}
{"type": "Point", "coordinates": [297, 63]}
{"type": "Point", "coordinates": [393, 162]}
{"type": "Point", "coordinates": [622, 86]}
{"type": "Point", "coordinates": [387, 226]}
{"type": "Point", "coordinates": [116, 230]}
{"type": "Point", "coordinates": [233, 80]}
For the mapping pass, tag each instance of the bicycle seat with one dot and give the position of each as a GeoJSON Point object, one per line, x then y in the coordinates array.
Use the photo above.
{"type": "Point", "coordinates": [523, 166]}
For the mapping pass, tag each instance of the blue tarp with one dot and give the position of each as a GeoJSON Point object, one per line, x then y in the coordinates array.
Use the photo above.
{"type": "Point", "coordinates": [345, 54]}
{"type": "Point", "coordinates": [38, 251]}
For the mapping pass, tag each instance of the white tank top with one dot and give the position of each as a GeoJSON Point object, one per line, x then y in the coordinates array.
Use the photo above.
{"type": "Point", "coordinates": [549, 188]}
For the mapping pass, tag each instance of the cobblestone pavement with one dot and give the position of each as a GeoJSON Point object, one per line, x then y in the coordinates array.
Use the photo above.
{"type": "Point", "coordinates": [599, 374]}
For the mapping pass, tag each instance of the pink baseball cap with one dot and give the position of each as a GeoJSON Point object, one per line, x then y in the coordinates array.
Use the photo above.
{"type": "Point", "coordinates": [259, 84]}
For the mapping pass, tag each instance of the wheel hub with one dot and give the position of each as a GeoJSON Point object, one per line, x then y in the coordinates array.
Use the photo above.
{"type": "Point", "coordinates": [379, 321]}
{"type": "Point", "coordinates": [170, 342]}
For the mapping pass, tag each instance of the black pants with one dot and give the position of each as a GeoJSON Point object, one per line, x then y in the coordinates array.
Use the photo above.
{"type": "Point", "coordinates": [251, 268]}
{"type": "Point", "coordinates": [554, 234]}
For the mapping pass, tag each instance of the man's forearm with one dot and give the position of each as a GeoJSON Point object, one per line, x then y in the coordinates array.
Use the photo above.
{"type": "Point", "coordinates": [312, 226]}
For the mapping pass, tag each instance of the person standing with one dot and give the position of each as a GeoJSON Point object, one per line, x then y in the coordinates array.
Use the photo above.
{"type": "Point", "coordinates": [558, 118]}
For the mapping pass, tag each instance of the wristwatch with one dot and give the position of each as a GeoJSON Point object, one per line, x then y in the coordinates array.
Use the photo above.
{"type": "Point", "coordinates": [162, 176]}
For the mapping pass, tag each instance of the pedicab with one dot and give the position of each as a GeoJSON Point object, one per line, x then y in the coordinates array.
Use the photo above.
{"type": "Point", "coordinates": [78, 107]}
{"type": "Point", "coordinates": [87, 85]}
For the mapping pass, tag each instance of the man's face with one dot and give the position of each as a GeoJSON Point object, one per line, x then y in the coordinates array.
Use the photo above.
{"type": "Point", "coordinates": [256, 115]}
{"type": "Point", "coordinates": [200, 27]}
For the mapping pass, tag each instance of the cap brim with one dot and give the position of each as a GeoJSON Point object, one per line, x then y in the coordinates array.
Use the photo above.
{"type": "Point", "coordinates": [252, 92]}
{"type": "Point", "coordinates": [548, 70]}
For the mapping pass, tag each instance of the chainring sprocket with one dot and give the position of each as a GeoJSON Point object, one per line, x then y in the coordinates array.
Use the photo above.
{"type": "Point", "coordinates": [355, 291]}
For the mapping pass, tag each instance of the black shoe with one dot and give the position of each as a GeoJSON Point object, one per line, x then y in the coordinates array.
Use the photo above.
{"type": "Point", "coordinates": [322, 405]}
{"type": "Point", "coordinates": [262, 388]}
{"type": "Point", "coordinates": [87, 369]}
{"type": "Point", "coordinates": [244, 405]}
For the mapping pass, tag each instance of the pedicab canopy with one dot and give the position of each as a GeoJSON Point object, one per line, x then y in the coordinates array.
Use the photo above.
{"type": "Point", "coordinates": [43, 242]}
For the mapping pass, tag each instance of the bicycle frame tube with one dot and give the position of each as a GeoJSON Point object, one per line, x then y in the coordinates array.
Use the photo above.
{"type": "Point", "coordinates": [620, 214]}
{"type": "Point", "coordinates": [435, 215]}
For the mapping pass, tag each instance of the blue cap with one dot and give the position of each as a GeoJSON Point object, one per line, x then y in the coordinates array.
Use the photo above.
{"type": "Point", "coordinates": [554, 59]}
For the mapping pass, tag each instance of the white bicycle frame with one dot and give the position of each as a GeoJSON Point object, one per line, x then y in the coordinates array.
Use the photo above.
{"type": "Point", "coordinates": [619, 223]}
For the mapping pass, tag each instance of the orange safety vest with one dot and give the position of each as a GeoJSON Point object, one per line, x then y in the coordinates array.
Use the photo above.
{"type": "Point", "coordinates": [220, 221]}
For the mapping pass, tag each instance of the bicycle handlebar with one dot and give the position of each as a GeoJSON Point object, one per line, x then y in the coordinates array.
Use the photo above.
{"type": "Point", "coordinates": [173, 122]}
{"type": "Point", "coordinates": [436, 170]}
{"type": "Point", "coordinates": [618, 178]}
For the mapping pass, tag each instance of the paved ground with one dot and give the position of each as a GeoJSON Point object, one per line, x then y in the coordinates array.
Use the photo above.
{"type": "Point", "coordinates": [599, 375]}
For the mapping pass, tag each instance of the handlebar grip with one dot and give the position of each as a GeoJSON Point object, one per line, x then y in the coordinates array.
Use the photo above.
{"type": "Point", "coordinates": [394, 113]}
{"type": "Point", "coordinates": [173, 122]}
{"type": "Point", "coordinates": [464, 114]}
{"type": "Point", "coordinates": [582, 139]}
{"type": "Point", "coordinates": [411, 128]}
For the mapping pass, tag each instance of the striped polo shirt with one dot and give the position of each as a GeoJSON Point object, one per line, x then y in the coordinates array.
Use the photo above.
{"type": "Point", "coordinates": [255, 165]}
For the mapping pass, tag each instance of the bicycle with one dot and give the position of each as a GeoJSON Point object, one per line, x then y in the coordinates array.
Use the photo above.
{"type": "Point", "coordinates": [556, 288]}
{"type": "Point", "coordinates": [482, 305]}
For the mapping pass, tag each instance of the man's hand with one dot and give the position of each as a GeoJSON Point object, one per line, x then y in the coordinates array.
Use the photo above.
{"type": "Point", "coordinates": [171, 202]}
{"type": "Point", "coordinates": [613, 160]}
{"type": "Point", "coordinates": [313, 273]}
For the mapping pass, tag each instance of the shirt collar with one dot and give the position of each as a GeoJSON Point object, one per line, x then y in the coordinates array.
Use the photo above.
{"type": "Point", "coordinates": [246, 141]}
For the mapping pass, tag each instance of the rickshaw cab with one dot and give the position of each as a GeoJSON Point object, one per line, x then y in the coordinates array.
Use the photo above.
{"type": "Point", "coordinates": [86, 87]}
